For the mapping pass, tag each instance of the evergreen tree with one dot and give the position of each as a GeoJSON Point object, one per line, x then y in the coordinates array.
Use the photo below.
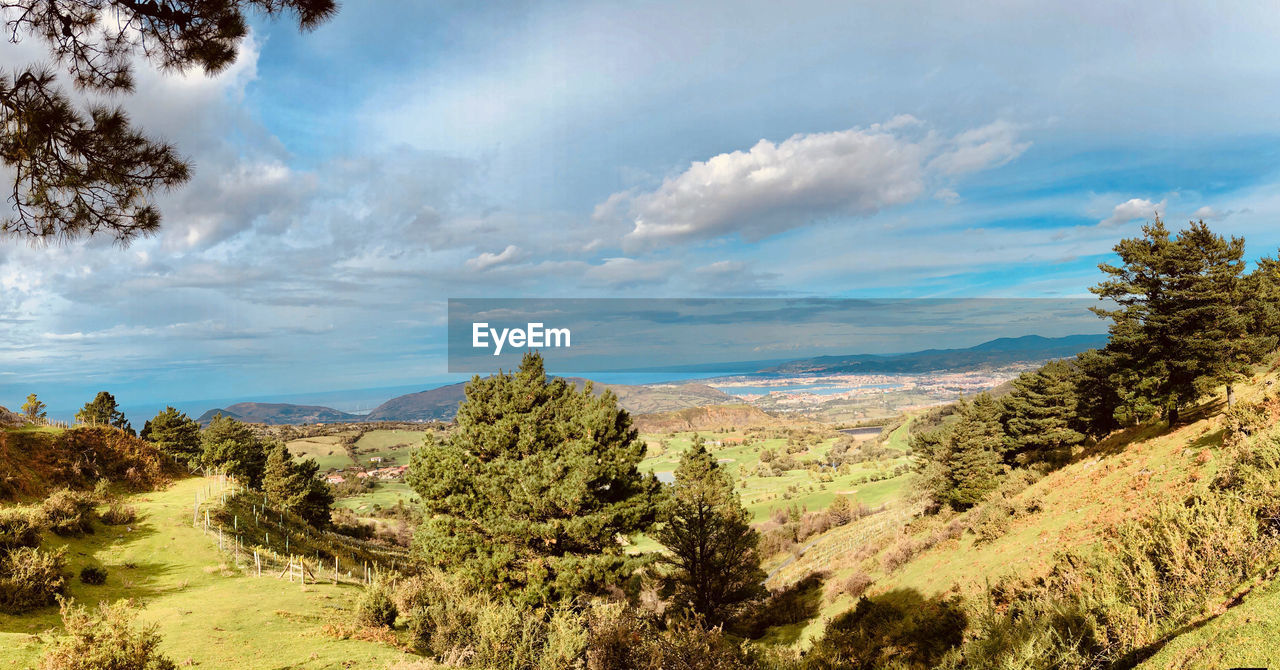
{"type": "Point", "coordinates": [1040, 417]}
{"type": "Point", "coordinates": [103, 411]}
{"type": "Point", "coordinates": [292, 486]}
{"type": "Point", "coordinates": [77, 172]}
{"type": "Point", "coordinates": [1098, 403]}
{"type": "Point", "coordinates": [712, 548]}
{"type": "Point", "coordinates": [533, 488]}
{"type": "Point", "coordinates": [176, 434]}
{"type": "Point", "coordinates": [1261, 301]}
{"type": "Point", "coordinates": [232, 446]}
{"type": "Point", "coordinates": [35, 410]}
{"type": "Point", "coordinates": [974, 460]}
{"type": "Point", "coordinates": [1182, 324]}
{"type": "Point", "coordinates": [963, 461]}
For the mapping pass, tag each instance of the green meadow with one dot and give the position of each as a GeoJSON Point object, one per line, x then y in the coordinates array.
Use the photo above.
{"type": "Point", "coordinates": [210, 614]}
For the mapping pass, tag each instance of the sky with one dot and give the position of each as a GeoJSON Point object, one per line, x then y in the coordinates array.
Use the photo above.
{"type": "Point", "coordinates": [350, 180]}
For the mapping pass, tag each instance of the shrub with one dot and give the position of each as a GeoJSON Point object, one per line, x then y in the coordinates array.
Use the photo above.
{"type": "Point", "coordinates": [31, 578]}
{"type": "Point", "coordinates": [901, 553]}
{"type": "Point", "coordinates": [69, 513]}
{"type": "Point", "coordinates": [854, 585]}
{"type": "Point", "coordinates": [18, 528]}
{"type": "Point", "coordinates": [118, 514]}
{"type": "Point", "coordinates": [104, 639]}
{"type": "Point", "coordinates": [375, 607]}
{"type": "Point", "coordinates": [992, 520]}
{"type": "Point", "coordinates": [93, 575]}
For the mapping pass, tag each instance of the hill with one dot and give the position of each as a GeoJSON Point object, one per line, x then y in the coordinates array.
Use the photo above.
{"type": "Point", "coordinates": [997, 352]}
{"type": "Point", "coordinates": [34, 461]}
{"type": "Point", "coordinates": [1130, 476]}
{"type": "Point", "coordinates": [441, 404]}
{"type": "Point", "coordinates": [705, 418]}
{"type": "Point", "coordinates": [272, 413]}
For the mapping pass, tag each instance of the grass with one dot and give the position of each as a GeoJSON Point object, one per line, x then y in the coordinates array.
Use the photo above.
{"type": "Point", "coordinates": [385, 495]}
{"type": "Point", "coordinates": [762, 495]}
{"type": "Point", "coordinates": [1247, 635]}
{"type": "Point", "coordinates": [326, 450]}
{"type": "Point", "coordinates": [209, 614]}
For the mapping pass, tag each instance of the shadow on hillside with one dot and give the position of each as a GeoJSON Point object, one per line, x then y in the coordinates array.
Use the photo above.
{"type": "Point", "coordinates": [1118, 441]}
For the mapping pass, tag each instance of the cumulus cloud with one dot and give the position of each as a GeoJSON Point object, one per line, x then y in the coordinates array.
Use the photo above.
{"type": "Point", "coordinates": [773, 187]}
{"type": "Point", "coordinates": [1131, 209]}
{"type": "Point", "coordinates": [488, 259]}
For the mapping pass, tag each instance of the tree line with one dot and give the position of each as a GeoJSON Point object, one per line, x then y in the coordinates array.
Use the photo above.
{"type": "Point", "coordinates": [1186, 319]}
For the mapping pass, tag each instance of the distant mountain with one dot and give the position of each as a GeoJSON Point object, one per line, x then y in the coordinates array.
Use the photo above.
{"type": "Point", "coordinates": [1001, 351]}
{"type": "Point", "coordinates": [437, 404]}
{"type": "Point", "coordinates": [442, 403]}
{"type": "Point", "coordinates": [275, 413]}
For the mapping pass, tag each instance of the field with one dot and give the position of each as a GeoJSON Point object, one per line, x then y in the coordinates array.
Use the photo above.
{"type": "Point", "coordinates": [762, 495]}
{"type": "Point", "coordinates": [326, 450]}
{"type": "Point", "coordinates": [209, 614]}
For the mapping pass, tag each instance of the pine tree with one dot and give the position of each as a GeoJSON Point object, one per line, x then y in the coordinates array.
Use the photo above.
{"type": "Point", "coordinates": [974, 460]}
{"type": "Point", "coordinates": [77, 173]}
{"type": "Point", "coordinates": [103, 411]}
{"type": "Point", "coordinates": [1040, 415]}
{"type": "Point", "coordinates": [292, 486]}
{"type": "Point", "coordinates": [176, 434]}
{"type": "Point", "coordinates": [712, 548]}
{"type": "Point", "coordinates": [533, 488]}
{"type": "Point", "coordinates": [232, 446]}
{"type": "Point", "coordinates": [1182, 325]}
{"type": "Point", "coordinates": [1099, 405]}
{"type": "Point", "coordinates": [34, 410]}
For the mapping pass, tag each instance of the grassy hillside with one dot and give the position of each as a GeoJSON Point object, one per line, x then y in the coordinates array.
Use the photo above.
{"type": "Point", "coordinates": [210, 614]}
{"type": "Point", "coordinates": [36, 460]}
{"type": "Point", "coordinates": [1126, 477]}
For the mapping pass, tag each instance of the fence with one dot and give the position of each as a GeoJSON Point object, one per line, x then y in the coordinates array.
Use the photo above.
{"type": "Point", "coordinates": [267, 545]}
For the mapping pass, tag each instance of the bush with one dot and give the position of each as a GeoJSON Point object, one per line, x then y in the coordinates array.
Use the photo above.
{"type": "Point", "coordinates": [31, 578]}
{"type": "Point", "coordinates": [105, 639]}
{"type": "Point", "coordinates": [375, 607]}
{"type": "Point", "coordinates": [992, 520]}
{"type": "Point", "coordinates": [118, 514]}
{"type": "Point", "coordinates": [18, 529]}
{"type": "Point", "coordinates": [854, 585]}
{"type": "Point", "coordinates": [93, 575]}
{"type": "Point", "coordinates": [69, 513]}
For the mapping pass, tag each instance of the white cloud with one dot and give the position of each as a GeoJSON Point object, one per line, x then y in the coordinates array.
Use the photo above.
{"type": "Point", "coordinates": [629, 272]}
{"type": "Point", "coordinates": [982, 148]}
{"type": "Point", "coordinates": [488, 259]}
{"type": "Point", "coordinates": [1131, 209]}
{"type": "Point", "coordinates": [772, 188]}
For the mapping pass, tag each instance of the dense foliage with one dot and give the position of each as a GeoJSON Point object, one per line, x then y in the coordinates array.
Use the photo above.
{"type": "Point", "coordinates": [234, 448]}
{"type": "Point", "coordinates": [292, 485]}
{"type": "Point", "coordinates": [532, 490]}
{"type": "Point", "coordinates": [176, 434]}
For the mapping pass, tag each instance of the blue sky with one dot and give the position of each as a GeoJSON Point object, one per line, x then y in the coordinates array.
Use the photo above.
{"type": "Point", "coordinates": [350, 180]}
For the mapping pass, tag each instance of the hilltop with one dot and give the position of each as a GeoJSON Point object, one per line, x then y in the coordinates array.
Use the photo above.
{"type": "Point", "coordinates": [738, 416]}
{"type": "Point", "coordinates": [279, 413]}
{"type": "Point", "coordinates": [997, 352]}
